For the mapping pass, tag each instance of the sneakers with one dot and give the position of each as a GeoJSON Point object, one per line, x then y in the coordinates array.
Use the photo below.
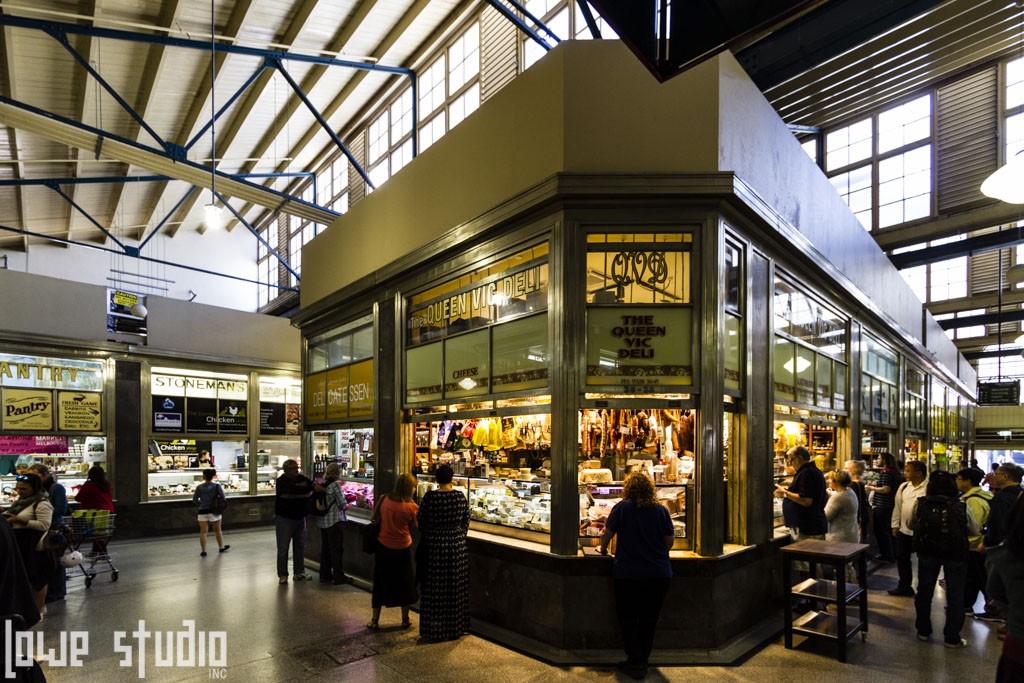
{"type": "Point", "coordinates": [302, 577]}
{"type": "Point", "coordinates": [283, 579]}
{"type": "Point", "coordinates": [957, 645]}
{"type": "Point", "coordinates": [990, 617]}
{"type": "Point", "coordinates": [923, 638]}
{"type": "Point", "coordinates": [902, 591]}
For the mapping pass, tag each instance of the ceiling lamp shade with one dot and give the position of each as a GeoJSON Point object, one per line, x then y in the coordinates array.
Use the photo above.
{"type": "Point", "coordinates": [1015, 275]}
{"type": "Point", "coordinates": [1007, 183]}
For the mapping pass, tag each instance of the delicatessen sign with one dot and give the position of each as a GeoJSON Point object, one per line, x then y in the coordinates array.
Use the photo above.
{"type": "Point", "coordinates": [639, 346]}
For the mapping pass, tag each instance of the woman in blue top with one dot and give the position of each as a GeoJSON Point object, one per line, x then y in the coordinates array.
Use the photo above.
{"type": "Point", "coordinates": [642, 570]}
{"type": "Point", "coordinates": [204, 497]}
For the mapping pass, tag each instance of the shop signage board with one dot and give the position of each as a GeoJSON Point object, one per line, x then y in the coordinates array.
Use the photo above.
{"type": "Point", "coordinates": [78, 411]}
{"type": "Point", "coordinates": [337, 393]}
{"type": "Point", "coordinates": [316, 396]}
{"type": "Point", "coordinates": [168, 414]}
{"type": "Point", "coordinates": [232, 417]}
{"type": "Point", "coordinates": [272, 422]}
{"type": "Point", "coordinates": [38, 372]}
{"type": "Point", "coordinates": [25, 409]}
{"type": "Point", "coordinates": [639, 346]}
{"type": "Point", "coordinates": [201, 415]}
{"type": "Point", "coordinates": [18, 445]}
{"type": "Point", "coordinates": [360, 389]}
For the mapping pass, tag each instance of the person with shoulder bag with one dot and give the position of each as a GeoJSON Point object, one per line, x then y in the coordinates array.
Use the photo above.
{"type": "Point", "coordinates": [58, 497]}
{"type": "Point", "coordinates": [329, 513]}
{"type": "Point", "coordinates": [942, 525]}
{"type": "Point", "coordinates": [30, 516]}
{"type": "Point", "coordinates": [394, 583]}
{"type": "Point", "coordinates": [210, 499]}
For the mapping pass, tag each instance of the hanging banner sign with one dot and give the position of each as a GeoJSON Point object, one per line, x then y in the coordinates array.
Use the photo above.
{"type": "Point", "coordinates": [27, 409]}
{"type": "Point", "coordinates": [78, 411]}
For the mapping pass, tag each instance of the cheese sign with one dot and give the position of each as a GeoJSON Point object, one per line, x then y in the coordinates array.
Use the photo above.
{"type": "Point", "coordinates": [78, 411]}
{"type": "Point", "coordinates": [27, 409]}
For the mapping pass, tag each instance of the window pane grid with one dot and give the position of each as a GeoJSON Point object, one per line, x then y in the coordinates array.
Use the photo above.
{"type": "Point", "coordinates": [905, 124]}
{"type": "Point", "coordinates": [1015, 83]}
{"type": "Point", "coordinates": [464, 59]}
{"type": "Point", "coordinates": [904, 187]}
{"type": "Point", "coordinates": [848, 145]}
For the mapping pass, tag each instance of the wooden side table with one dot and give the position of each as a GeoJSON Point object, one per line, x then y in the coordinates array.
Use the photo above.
{"type": "Point", "coordinates": [820, 623]}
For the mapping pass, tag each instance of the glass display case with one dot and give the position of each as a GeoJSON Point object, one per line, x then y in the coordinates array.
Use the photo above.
{"type": "Point", "coordinates": [521, 504]}
{"type": "Point", "coordinates": [176, 466]}
{"type": "Point", "coordinates": [67, 457]}
{"type": "Point", "coordinates": [597, 501]}
{"type": "Point", "coordinates": [270, 456]}
{"type": "Point", "coordinates": [353, 450]}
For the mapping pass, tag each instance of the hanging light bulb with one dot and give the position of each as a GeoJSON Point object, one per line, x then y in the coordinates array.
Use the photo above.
{"type": "Point", "coordinates": [1007, 183]}
{"type": "Point", "coordinates": [213, 216]}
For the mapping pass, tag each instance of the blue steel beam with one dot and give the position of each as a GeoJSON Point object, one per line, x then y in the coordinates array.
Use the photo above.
{"type": "Point", "coordinates": [588, 16]}
{"type": "Point", "coordinates": [322, 121]}
{"type": "Point", "coordinates": [99, 180]}
{"type": "Point", "coordinates": [540, 24]}
{"type": "Point", "coordinates": [62, 38]}
{"type": "Point", "coordinates": [174, 210]}
{"type": "Point", "coordinates": [517, 20]}
{"type": "Point", "coordinates": [132, 143]}
{"type": "Point", "coordinates": [69, 200]}
{"type": "Point", "coordinates": [231, 100]}
{"type": "Point", "coordinates": [258, 236]}
{"type": "Point", "coordinates": [115, 34]}
{"type": "Point", "coordinates": [148, 259]}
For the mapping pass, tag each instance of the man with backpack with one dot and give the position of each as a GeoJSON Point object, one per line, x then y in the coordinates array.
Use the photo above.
{"type": "Point", "coordinates": [906, 496]}
{"type": "Point", "coordinates": [968, 481]}
{"type": "Point", "coordinates": [942, 525]}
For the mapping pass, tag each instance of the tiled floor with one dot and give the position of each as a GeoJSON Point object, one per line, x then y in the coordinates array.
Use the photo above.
{"type": "Point", "coordinates": [314, 632]}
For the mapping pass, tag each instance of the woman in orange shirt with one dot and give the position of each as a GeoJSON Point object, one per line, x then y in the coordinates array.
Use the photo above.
{"type": "Point", "coordinates": [394, 583]}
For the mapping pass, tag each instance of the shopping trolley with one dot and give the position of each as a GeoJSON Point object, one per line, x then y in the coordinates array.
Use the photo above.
{"type": "Point", "coordinates": [94, 527]}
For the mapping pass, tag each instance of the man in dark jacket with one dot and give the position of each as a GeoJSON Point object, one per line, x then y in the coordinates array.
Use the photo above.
{"type": "Point", "coordinates": [803, 503]}
{"type": "Point", "coordinates": [1007, 478]}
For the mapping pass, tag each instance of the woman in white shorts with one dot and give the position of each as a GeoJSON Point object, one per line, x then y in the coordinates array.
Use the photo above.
{"type": "Point", "coordinates": [209, 497]}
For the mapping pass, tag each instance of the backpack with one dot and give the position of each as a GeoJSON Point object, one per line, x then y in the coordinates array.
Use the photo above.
{"type": "Point", "coordinates": [940, 528]}
{"type": "Point", "coordinates": [219, 503]}
{"type": "Point", "coordinates": [982, 524]}
{"type": "Point", "coordinates": [317, 504]}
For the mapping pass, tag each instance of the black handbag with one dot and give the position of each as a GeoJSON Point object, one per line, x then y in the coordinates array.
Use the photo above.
{"type": "Point", "coordinates": [370, 533]}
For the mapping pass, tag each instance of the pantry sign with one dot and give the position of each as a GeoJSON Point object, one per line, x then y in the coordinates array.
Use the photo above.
{"type": "Point", "coordinates": [38, 372]}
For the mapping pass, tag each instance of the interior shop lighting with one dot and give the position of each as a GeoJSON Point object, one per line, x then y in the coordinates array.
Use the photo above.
{"type": "Point", "coordinates": [801, 364]}
{"type": "Point", "coordinates": [213, 216]}
{"type": "Point", "coordinates": [467, 383]}
{"type": "Point", "coordinates": [1007, 183]}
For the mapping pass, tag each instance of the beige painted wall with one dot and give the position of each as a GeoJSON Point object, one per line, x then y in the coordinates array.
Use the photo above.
{"type": "Point", "coordinates": [45, 306]}
{"type": "Point", "coordinates": [576, 110]}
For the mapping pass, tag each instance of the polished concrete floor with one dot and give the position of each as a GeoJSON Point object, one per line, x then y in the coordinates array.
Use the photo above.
{"type": "Point", "coordinates": [314, 632]}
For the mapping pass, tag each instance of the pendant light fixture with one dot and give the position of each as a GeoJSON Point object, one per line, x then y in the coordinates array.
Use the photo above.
{"type": "Point", "coordinates": [213, 215]}
{"type": "Point", "coordinates": [1007, 182]}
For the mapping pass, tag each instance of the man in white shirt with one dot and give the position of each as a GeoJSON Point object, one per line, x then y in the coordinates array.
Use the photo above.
{"type": "Point", "coordinates": [916, 473]}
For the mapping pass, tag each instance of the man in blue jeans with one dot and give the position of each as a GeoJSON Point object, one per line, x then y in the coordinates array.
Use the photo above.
{"type": "Point", "coordinates": [293, 489]}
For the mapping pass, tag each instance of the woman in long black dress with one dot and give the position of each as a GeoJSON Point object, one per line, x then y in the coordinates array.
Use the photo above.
{"type": "Point", "coordinates": [444, 521]}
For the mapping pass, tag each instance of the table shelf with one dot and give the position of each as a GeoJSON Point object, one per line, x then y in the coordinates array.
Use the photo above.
{"type": "Point", "coordinates": [826, 625]}
{"type": "Point", "coordinates": [825, 590]}
{"type": "Point", "coordinates": [842, 625]}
